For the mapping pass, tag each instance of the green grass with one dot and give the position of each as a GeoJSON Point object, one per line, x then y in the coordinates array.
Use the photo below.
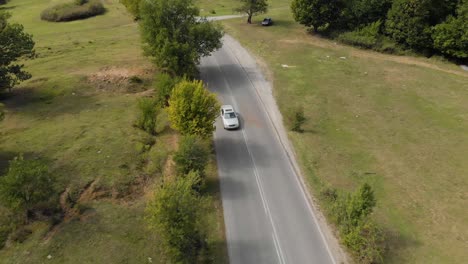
{"type": "Point", "coordinates": [78, 112]}
{"type": "Point", "coordinates": [399, 123]}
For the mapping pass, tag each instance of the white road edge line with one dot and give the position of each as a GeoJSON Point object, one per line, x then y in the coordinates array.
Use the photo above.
{"type": "Point", "coordinates": [299, 179]}
{"type": "Point", "coordinates": [257, 177]}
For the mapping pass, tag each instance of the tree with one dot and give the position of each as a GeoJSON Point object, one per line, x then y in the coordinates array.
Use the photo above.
{"type": "Point", "coordinates": [317, 14]}
{"type": "Point", "coordinates": [26, 184]}
{"type": "Point", "coordinates": [408, 23]}
{"type": "Point", "coordinates": [363, 12]}
{"type": "Point", "coordinates": [451, 37]}
{"type": "Point", "coordinates": [15, 44]}
{"type": "Point", "coordinates": [193, 109]}
{"type": "Point", "coordinates": [174, 213]}
{"type": "Point", "coordinates": [192, 155]}
{"type": "Point", "coordinates": [252, 7]}
{"type": "Point", "coordinates": [175, 37]}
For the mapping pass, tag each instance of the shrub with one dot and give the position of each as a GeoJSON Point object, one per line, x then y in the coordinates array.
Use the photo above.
{"type": "Point", "coordinates": [298, 119]}
{"type": "Point", "coordinates": [365, 241]}
{"type": "Point", "coordinates": [175, 214]}
{"type": "Point", "coordinates": [73, 11]}
{"type": "Point", "coordinates": [192, 155]}
{"type": "Point", "coordinates": [148, 114]}
{"type": "Point", "coordinates": [366, 37]}
{"type": "Point", "coordinates": [352, 215]}
{"type": "Point", "coordinates": [26, 185]}
{"type": "Point", "coordinates": [2, 2]}
{"type": "Point", "coordinates": [163, 86]}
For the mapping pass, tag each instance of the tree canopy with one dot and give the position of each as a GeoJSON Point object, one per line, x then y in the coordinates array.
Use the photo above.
{"type": "Point", "coordinates": [317, 14]}
{"type": "Point", "coordinates": [26, 184]}
{"type": "Point", "coordinates": [15, 44]}
{"type": "Point", "coordinates": [175, 37]}
{"type": "Point", "coordinates": [174, 213]}
{"type": "Point", "coordinates": [252, 7]}
{"type": "Point", "coordinates": [193, 109]}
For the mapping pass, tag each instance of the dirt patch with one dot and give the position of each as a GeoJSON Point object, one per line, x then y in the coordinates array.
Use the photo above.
{"type": "Point", "coordinates": [122, 80]}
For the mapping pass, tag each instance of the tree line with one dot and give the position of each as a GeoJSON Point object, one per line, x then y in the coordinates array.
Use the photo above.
{"type": "Point", "coordinates": [426, 26]}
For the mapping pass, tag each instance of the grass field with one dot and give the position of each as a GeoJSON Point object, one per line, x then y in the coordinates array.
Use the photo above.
{"type": "Point", "coordinates": [399, 123]}
{"type": "Point", "coordinates": [77, 112]}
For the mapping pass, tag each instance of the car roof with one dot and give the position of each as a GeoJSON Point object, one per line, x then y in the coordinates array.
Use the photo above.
{"type": "Point", "coordinates": [227, 108]}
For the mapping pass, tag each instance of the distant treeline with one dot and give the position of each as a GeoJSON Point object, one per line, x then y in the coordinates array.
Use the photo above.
{"type": "Point", "coordinates": [426, 26]}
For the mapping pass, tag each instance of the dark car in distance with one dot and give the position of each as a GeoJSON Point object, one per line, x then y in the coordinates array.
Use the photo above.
{"type": "Point", "coordinates": [267, 21]}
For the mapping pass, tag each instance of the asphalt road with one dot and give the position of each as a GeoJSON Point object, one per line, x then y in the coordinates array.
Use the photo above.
{"type": "Point", "coordinates": [267, 215]}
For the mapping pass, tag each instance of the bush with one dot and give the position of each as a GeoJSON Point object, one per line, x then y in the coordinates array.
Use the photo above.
{"type": "Point", "coordinates": [365, 37]}
{"type": "Point", "coordinates": [298, 119]}
{"type": "Point", "coordinates": [163, 86]}
{"type": "Point", "coordinates": [73, 11]}
{"type": "Point", "coordinates": [192, 155]}
{"type": "Point", "coordinates": [175, 213]}
{"type": "Point", "coordinates": [26, 184]}
{"type": "Point", "coordinates": [352, 215]}
{"type": "Point", "coordinates": [148, 114]}
{"type": "Point", "coordinates": [365, 241]}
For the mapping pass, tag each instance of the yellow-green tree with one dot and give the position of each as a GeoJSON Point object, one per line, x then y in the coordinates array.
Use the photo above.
{"type": "Point", "coordinates": [193, 109]}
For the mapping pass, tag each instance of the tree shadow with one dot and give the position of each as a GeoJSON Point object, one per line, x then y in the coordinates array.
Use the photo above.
{"type": "Point", "coordinates": [46, 103]}
{"type": "Point", "coordinates": [394, 243]}
{"type": "Point", "coordinates": [5, 8]}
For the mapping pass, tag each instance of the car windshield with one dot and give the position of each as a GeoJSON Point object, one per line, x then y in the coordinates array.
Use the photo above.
{"type": "Point", "coordinates": [229, 115]}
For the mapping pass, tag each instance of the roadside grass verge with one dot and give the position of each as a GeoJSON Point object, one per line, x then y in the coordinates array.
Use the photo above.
{"type": "Point", "coordinates": [78, 112]}
{"type": "Point", "coordinates": [397, 123]}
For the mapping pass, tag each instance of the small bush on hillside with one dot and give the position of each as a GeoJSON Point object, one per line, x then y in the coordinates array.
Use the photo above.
{"type": "Point", "coordinates": [365, 37]}
{"type": "Point", "coordinates": [148, 114]}
{"type": "Point", "coordinates": [358, 231]}
{"type": "Point", "coordinates": [163, 86]}
{"type": "Point", "coordinates": [73, 11]}
{"type": "Point", "coordinates": [192, 155]}
{"type": "Point", "coordinates": [175, 214]}
{"type": "Point", "coordinates": [298, 119]}
{"type": "Point", "coordinates": [27, 184]}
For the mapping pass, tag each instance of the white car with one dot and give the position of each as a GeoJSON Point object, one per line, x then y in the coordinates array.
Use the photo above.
{"type": "Point", "coordinates": [229, 117]}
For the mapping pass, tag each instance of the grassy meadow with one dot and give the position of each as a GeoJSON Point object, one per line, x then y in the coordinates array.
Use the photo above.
{"type": "Point", "coordinates": [78, 112]}
{"type": "Point", "coordinates": [398, 123]}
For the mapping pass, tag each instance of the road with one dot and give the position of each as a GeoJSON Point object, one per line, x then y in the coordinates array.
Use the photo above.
{"type": "Point", "coordinates": [266, 212]}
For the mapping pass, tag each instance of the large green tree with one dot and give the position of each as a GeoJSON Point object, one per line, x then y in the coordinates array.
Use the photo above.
{"type": "Point", "coordinates": [193, 109]}
{"type": "Point", "coordinates": [175, 214]}
{"type": "Point", "coordinates": [15, 44]}
{"type": "Point", "coordinates": [317, 14]}
{"type": "Point", "coordinates": [408, 23]}
{"type": "Point", "coordinates": [451, 37]}
{"type": "Point", "coordinates": [363, 12]}
{"type": "Point", "coordinates": [252, 7]}
{"type": "Point", "coordinates": [26, 184]}
{"type": "Point", "coordinates": [175, 37]}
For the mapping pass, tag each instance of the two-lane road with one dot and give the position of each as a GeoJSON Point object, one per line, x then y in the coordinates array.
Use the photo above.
{"type": "Point", "coordinates": [266, 212]}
